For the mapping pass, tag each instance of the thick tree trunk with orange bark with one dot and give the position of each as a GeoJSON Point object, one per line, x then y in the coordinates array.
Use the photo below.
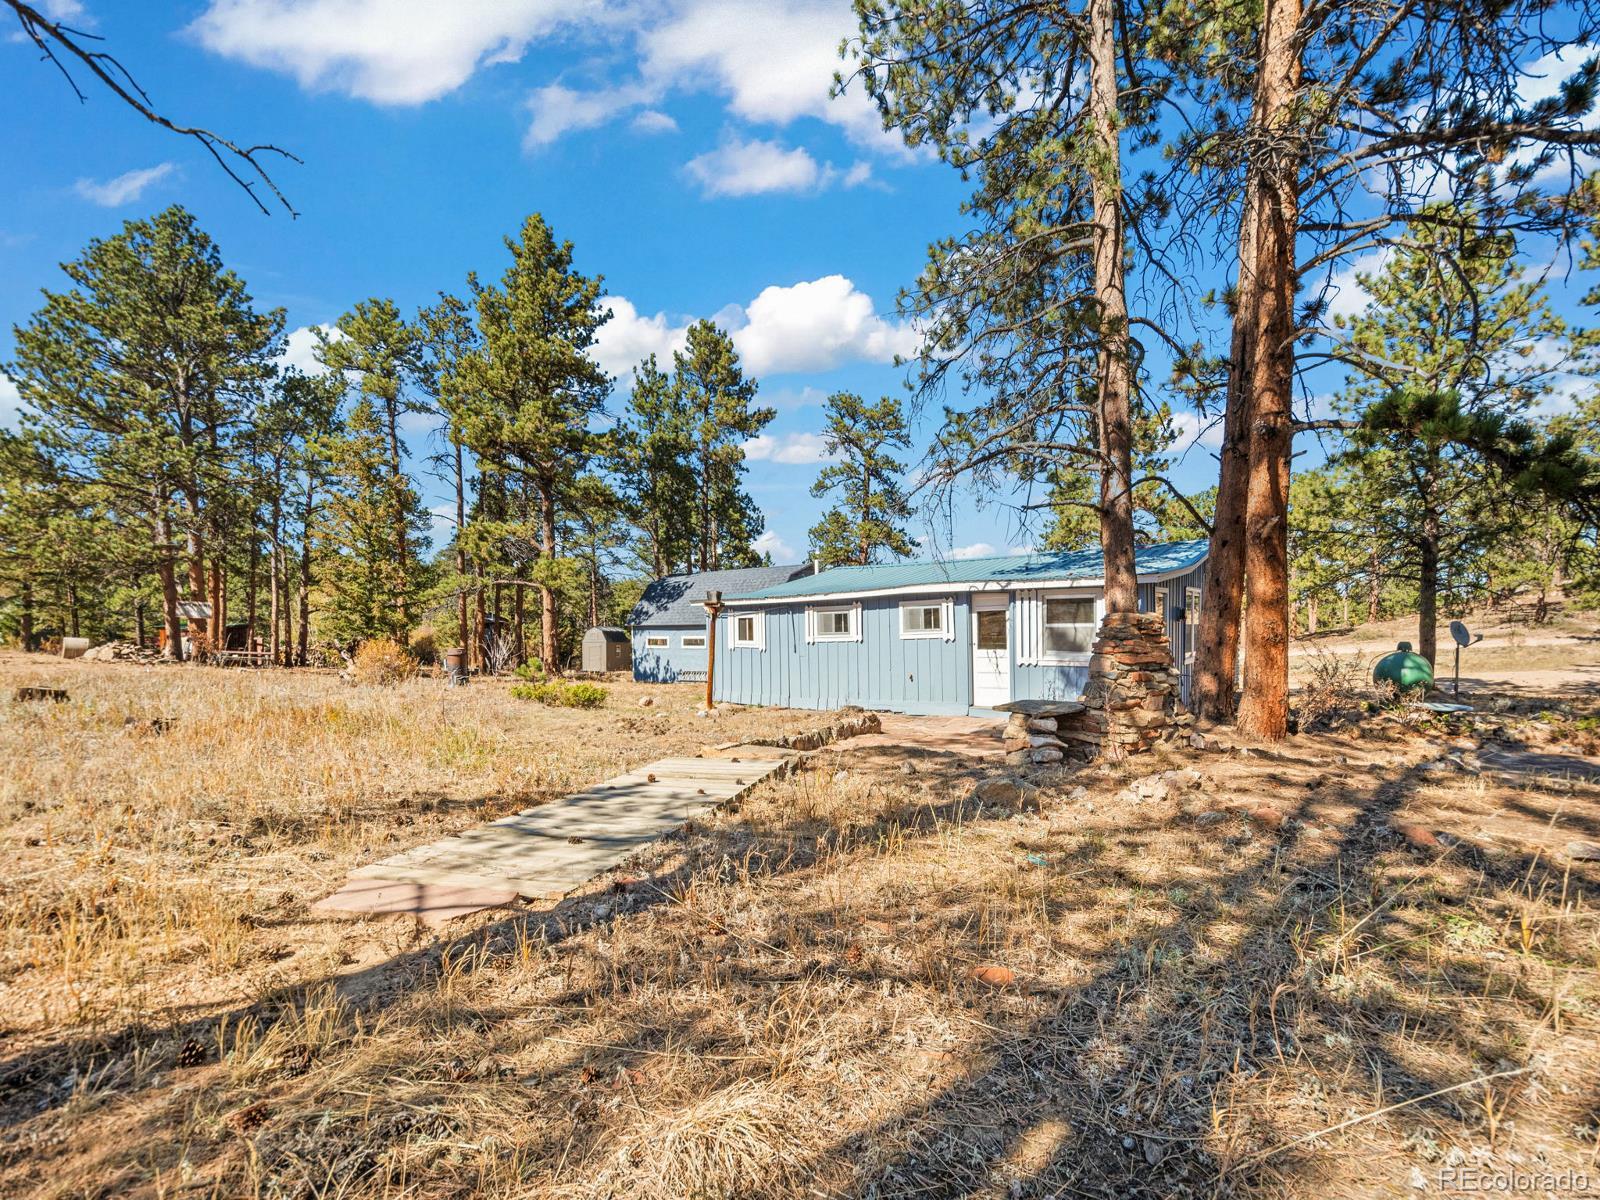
{"type": "Point", "coordinates": [1264, 709]}
{"type": "Point", "coordinates": [1216, 656]}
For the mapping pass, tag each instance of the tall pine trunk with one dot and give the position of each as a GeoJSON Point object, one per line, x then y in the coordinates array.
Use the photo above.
{"type": "Point", "coordinates": [547, 594]}
{"type": "Point", "coordinates": [1374, 585]}
{"type": "Point", "coordinates": [1264, 709]}
{"type": "Point", "coordinates": [1115, 382]}
{"type": "Point", "coordinates": [1214, 682]}
{"type": "Point", "coordinates": [1428, 587]}
{"type": "Point", "coordinates": [303, 650]}
{"type": "Point", "coordinates": [195, 547]}
{"type": "Point", "coordinates": [462, 633]}
{"type": "Point", "coordinates": [397, 485]}
{"type": "Point", "coordinates": [25, 620]}
{"type": "Point", "coordinates": [167, 573]}
{"type": "Point", "coordinates": [275, 579]}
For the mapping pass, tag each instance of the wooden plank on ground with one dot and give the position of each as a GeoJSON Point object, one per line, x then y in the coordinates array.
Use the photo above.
{"type": "Point", "coordinates": [549, 850]}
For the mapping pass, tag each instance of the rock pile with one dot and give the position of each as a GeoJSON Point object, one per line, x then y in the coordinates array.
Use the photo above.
{"type": "Point", "coordinates": [1037, 732]}
{"type": "Point", "coordinates": [121, 652]}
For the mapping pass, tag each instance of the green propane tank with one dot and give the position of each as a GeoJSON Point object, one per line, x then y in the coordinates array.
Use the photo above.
{"type": "Point", "coordinates": [1407, 671]}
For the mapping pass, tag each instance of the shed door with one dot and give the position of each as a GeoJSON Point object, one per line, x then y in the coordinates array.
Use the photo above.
{"type": "Point", "coordinates": [991, 650]}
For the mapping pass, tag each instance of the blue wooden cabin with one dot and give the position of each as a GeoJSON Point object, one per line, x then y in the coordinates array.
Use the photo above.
{"type": "Point", "coordinates": [941, 638]}
{"type": "Point", "coordinates": [669, 623]}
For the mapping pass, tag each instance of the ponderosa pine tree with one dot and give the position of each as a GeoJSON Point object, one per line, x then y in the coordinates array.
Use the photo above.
{"type": "Point", "coordinates": [1453, 355]}
{"type": "Point", "coordinates": [137, 379]}
{"type": "Point", "coordinates": [1391, 104]}
{"type": "Point", "coordinates": [652, 461]}
{"type": "Point", "coordinates": [530, 388]}
{"type": "Point", "coordinates": [717, 401]}
{"type": "Point", "coordinates": [867, 522]}
{"type": "Point", "coordinates": [447, 337]}
{"type": "Point", "coordinates": [1029, 310]}
{"type": "Point", "coordinates": [379, 352]}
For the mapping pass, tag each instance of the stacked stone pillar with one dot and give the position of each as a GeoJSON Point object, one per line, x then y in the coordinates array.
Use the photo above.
{"type": "Point", "coordinates": [1130, 702]}
{"type": "Point", "coordinates": [1132, 697]}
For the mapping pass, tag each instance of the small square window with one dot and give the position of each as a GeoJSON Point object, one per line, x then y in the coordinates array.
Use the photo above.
{"type": "Point", "coordinates": [833, 624]}
{"type": "Point", "coordinates": [1069, 625]}
{"type": "Point", "coordinates": [921, 620]}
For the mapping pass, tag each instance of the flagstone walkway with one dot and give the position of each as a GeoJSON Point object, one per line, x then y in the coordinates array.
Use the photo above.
{"type": "Point", "coordinates": [549, 850]}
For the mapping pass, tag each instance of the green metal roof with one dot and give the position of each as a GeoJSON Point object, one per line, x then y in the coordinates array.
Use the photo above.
{"type": "Point", "coordinates": [1021, 570]}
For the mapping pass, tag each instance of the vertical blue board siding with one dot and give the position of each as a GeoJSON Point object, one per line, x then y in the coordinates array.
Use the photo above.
{"type": "Point", "coordinates": [669, 663]}
{"type": "Point", "coordinates": [881, 671]}
{"type": "Point", "coordinates": [884, 671]}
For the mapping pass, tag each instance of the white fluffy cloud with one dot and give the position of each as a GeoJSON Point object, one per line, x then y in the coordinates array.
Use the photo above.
{"type": "Point", "coordinates": [795, 449]}
{"type": "Point", "coordinates": [559, 110]}
{"type": "Point", "coordinates": [975, 550]}
{"type": "Point", "coordinates": [10, 403]}
{"type": "Point", "coordinates": [749, 168]}
{"type": "Point", "coordinates": [811, 326]}
{"type": "Point", "coordinates": [628, 337]}
{"type": "Point", "coordinates": [653, 121]}
{"type": "Point", "coordinates": [300, 348]}
{"type": "Point", "coordinates": [125, 188]}
{"type": "Point", "coordinates": [815, 326]}
{"type": "Point", "coordinates": [772, 62]}
{"type": "Point", "coordinates": [386, 51]}
{"type": "Point", "coordinates": [1192, 430]}
{"type": "Point", "coordinates": [771, 543]}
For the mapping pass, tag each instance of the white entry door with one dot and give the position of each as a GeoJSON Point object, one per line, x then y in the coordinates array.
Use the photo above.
{"type": "Point", "coordinates": [991, 650]}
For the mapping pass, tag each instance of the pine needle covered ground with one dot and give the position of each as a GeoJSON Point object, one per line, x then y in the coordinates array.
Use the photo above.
{"type": "Point", "coordinates": [1268, 981]}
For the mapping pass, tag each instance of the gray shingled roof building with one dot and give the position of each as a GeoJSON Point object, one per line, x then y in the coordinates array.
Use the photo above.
{"type": "Point", "coordinates": [674, 601]}
{"type": "Point", "coordinates": [669, 624]}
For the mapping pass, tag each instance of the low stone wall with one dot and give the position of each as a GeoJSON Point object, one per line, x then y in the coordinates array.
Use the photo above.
{"type": "Point", "coordinates": [1130, 703]}
{"type": "Point", "coordinates": [815, 739]}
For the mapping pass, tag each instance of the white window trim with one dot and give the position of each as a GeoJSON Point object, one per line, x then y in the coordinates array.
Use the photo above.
{"type": "Point", "coordinates": [656, 641]}
{"type": "Point", "coordinates": [947, 625]}
{"type": "Point", "coordinates": [1030, 642]}
{"type": "Point", "coordinates": [1161, 601]}
{"type": "Point", "coordinates": [814, 611]}
{"type": "Point", "coordinates": [759, 628]}
{"type": "Point", "coordinates": [692, 641]}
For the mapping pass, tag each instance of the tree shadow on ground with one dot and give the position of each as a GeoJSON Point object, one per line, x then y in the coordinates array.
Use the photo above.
{"type": "Point", "coordinates": [1110, 1086]}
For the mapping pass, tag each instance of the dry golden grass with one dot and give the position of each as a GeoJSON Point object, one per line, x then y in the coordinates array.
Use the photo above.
{"type": "Point", "coordinates": [778, 1001]}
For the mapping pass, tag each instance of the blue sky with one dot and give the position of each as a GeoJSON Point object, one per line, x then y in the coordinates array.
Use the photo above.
{"type": "Point", "coordinates": [687, 147]}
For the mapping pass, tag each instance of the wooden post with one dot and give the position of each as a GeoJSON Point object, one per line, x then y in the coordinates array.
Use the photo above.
{"type": "Point", "coordinates": [713, 605]}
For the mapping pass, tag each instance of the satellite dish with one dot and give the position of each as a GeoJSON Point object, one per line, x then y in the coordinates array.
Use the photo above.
{"type": "Point", "coordinates": [1459, 632]}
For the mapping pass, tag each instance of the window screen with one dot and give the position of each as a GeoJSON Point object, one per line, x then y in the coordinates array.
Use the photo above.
{"type": "Point", "coordinates": [1069, 625]}
{"type": "Point", "coordinates": [922, 618]}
